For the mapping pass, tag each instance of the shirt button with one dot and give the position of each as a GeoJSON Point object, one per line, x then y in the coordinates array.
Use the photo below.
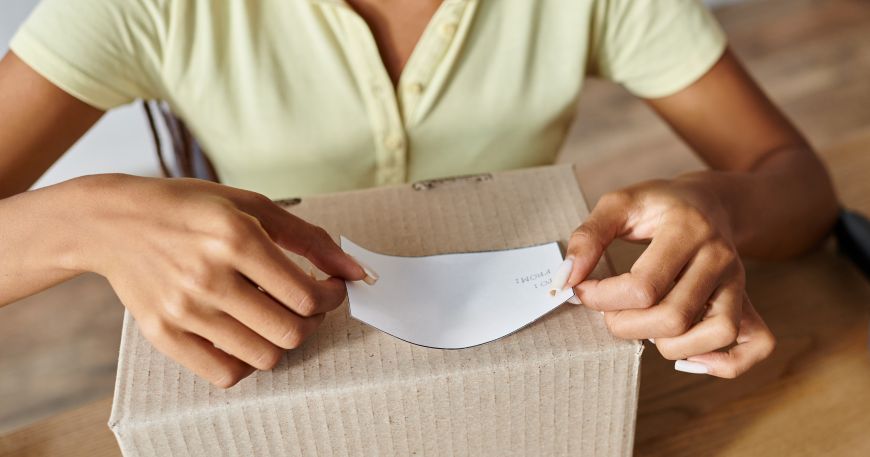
{"type": "Point", "coordinates": [394, 142]}
{"type": "Point", "coordinates": [447, 30]}
{"type": "Point", "coordinates": [394, 177]}
{"type": "Point", "coordinates": [415, 88]}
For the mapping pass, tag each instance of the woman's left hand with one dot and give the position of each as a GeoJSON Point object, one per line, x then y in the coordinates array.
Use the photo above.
{"type": "Point", "coordinates": [686, 291]}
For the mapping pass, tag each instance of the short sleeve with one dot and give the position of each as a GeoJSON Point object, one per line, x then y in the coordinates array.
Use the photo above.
{"type": "Point", "coordinates": [103, 52]}
{"type": "Point", "coordinates": [654, 48]}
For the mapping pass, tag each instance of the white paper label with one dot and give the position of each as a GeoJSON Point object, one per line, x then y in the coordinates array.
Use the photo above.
{"type": "Point", "coordinates": [454, 301]}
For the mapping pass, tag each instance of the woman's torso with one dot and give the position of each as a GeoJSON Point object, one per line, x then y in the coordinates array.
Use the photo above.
{"type": "Point", "coordinates": [291, 97]}
{"type": "Point", "coordinates": [487, 87]}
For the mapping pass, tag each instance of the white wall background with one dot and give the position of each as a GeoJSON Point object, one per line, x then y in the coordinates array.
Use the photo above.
{"type": "Point", "coordinates": [120, 142]}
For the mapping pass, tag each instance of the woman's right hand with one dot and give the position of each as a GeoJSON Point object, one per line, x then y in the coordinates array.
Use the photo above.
{"type": "Point", "coordinates": [199, 266]}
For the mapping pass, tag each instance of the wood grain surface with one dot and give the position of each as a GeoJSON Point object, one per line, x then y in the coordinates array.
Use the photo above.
{"type": "Point", "coordinates": [81, 432]}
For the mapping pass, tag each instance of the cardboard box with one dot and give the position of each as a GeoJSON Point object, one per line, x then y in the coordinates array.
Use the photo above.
{"type": "Point", "coordinates": [561, 386]}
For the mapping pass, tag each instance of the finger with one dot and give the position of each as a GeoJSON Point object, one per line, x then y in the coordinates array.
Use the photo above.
{"type": "Point", "coordinates": [718, 328]}
{"type": "Point", "coordinates": [268, 318]}
{"type": "Point", "coordinates": [755, 343]}
{"type": "Point", "coordinates": [198, 355]}
{"type": "Point", "coordinates": [300, 237]}
{"type": "Point", "coordinates": [650, 278]}
{"type": "Point", "coordinates": [267, 266]}
{"type": "Point", "coordinates": [588, 242]}
{"type": "Point", "coordinates": [680, 308]}
{"type": "Point", "coordinates": [237, 340]}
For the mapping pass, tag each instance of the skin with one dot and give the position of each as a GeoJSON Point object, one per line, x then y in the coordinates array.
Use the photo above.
{"type": "Point", "coordinates": [189, 258]}
{"type": "Point", "coordinates": [686, 291]}
{"type": "Point", "coordinates": [185, 256]}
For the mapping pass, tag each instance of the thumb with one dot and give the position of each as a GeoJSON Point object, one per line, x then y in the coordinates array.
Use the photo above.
{"type": "Point", "coordinates": [305, 239]}
{"type": "Point", "coordinates": [588, 242]}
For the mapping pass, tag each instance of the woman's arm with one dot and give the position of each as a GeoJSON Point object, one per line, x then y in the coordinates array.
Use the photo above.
{"type": "Point", "coordinates": [776, 192]}
{"type": "Point", "coordinates": [40, 122]}
{"type": "Point", "coordinates": [199, 265]}
{"type": "Point", "coordinates": [767, 195]}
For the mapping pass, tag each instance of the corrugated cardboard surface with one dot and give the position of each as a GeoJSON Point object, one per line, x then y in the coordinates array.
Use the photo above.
{"type": "Point", "coordinates": [561, 386]}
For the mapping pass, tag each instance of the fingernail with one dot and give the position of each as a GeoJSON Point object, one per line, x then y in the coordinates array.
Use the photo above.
{"type": "Point", "coordinates": [652, 340]}
{"type": "Point", "coordinates": [690, 367]}
{"type": "Point", "coordinates": [371, 277]}
{"type": "Point", "coordinates": [574, 300]}
{"type": "Point", "coordinates": [561, 277]}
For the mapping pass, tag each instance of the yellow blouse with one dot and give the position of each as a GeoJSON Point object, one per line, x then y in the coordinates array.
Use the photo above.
{"type": "Point", "coordinates": [291, 97]}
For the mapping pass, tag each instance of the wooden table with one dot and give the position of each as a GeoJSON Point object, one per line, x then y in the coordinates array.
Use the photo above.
{"type": "Point", "coordinates": [810, 398]}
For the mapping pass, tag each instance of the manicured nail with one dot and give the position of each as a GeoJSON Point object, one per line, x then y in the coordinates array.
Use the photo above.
{"type": "Point", "coordinates": [652, 340]}
{"type": "Point", "coordinates": [371, 277]}
{"type": "Point", "coordinates": [574, 300]}
{"type": "Point", "coordinates": [561, 277]}
{"type": "Point", "coordinates": [690, 367]}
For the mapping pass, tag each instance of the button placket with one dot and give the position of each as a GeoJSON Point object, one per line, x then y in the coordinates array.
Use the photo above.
{"type": "Point", "coordinates": [380, 99]}
{"type": "Point", "coordinates": [393, 150]}
{"type": "Point", "coordinates": [435, 53]}
{"type": "Point", "coordinates": [391, 112]}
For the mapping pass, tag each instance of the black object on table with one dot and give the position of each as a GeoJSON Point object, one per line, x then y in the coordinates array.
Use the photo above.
{"type": "Point", "coordinates": [852, 231]}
